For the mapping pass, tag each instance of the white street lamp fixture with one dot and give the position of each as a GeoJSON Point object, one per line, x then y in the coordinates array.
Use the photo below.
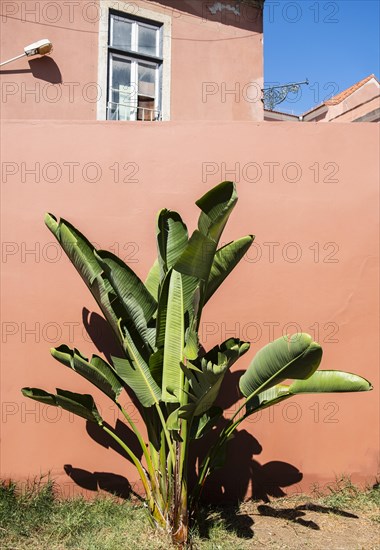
{"type": "Point", "coordinates": [42, 47]}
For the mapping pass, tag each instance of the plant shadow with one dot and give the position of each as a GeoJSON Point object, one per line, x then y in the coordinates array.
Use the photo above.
{"type": "Point", "coordinates": [240, 474]}
{"type": "Point", "coordinates": [229, 516]}
{"type": "Point", "coordinates": [297, 513]}
{"type": "Point", "coordinates": [114, 484]}
{"type": "Point", "coordinates": [98, 435]}
{"type": "Point", "coordinates": [101, 334]}
{"type": "Point", "coordinates": [289, 514]}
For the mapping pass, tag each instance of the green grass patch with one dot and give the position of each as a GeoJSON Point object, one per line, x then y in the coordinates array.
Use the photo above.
{"type": "Point", "coordinates": [35, 518]}
{"type": "Point", "coordinates": [343, 494]}
{"type": "Point", "coordinates": [32, 516]}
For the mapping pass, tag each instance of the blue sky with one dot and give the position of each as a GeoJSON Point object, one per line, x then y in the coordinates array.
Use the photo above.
{"type": "Point", "coordinates": [334, 44]}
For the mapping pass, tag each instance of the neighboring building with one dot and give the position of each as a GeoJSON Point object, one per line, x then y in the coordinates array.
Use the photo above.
{"type": "Point", "coordinates": [359, 103]}
{"type": "Point", "coordinates": [278, 116]}
{"type": "Point", "coordinates": [141, 60]}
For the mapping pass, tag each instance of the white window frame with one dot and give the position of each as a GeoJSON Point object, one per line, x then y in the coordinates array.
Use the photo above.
{"type": "Point", "coordinates": [137, 12]}
{"type": "Point", "coordinates": [127, 107]}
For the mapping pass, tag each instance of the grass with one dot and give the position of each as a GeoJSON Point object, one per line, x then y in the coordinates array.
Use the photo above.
{"type": "Point", "coordinates": [35, 517]}
{"type": "Point", "coordinates": [343, 494]}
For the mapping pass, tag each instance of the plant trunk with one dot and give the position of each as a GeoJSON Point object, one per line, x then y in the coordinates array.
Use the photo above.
{"type": "Point", "coordinates": [180, 528]}
{"type": "Point", "coordinates": [181, 521]}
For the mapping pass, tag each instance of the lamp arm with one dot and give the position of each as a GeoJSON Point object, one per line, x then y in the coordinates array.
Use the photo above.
{"type": "Point", "coordinates": [13, 59]}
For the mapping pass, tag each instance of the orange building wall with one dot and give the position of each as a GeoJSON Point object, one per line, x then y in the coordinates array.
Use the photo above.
{"type": "Point", "coordinates": [217, 60]}
{"type": "Point", "coordinates": [308, 193]}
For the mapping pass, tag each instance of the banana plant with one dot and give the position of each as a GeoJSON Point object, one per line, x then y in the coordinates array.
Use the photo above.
{"type": "Point", "coordinates": [162, 361]}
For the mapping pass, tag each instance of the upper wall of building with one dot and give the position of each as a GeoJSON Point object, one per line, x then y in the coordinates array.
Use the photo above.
{"type": "Point", "coordinates": [209, 60]}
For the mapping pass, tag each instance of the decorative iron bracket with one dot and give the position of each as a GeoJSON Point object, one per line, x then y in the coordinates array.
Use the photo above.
{"type": "Point", "coordinates": [277, 94]}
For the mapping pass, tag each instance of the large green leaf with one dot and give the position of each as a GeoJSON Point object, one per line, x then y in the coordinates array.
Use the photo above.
{"type": "Point", "coordinates": [267, 398]}
{"type": "Point", "coordinates": [206, 376]}
{"type": "Point", "coordinates": [80, 404]}
{"type": "Point", "coordinates": [294, 357]}
{"type": "Point", "coordinates": [216, 205]}
{"type": "Point", "coordinates": [330, 381]}
{"type": "Point", "coordinates": [129, 288]}
{"type": "Point", "coordinates": [322, 381]}
{"type": "Point", "coordinates": [195, 265]}
{"type": "Point", "coordinates": [156, 362]}
{"type": "Point", "coordinates": [172, 238]}
{"type": "Point", "coordinates": [172, 374]}
{"type": "Point", "coordinates": [196, 259]}
{"type": "Point", "coordinates": [201, 425]}
{"type": "Point", "coordinates": [225, 260]}
{"type": "Point", "coordinates": [192, 344]}
{"type": "Point", "coordinates": [134, 370]}
{"type": "Point", "coordinates": [152, 281]}
{"type": "Point", "coordinates": [77, 247]}
{"type": "Point", "coordinates": [81, 253]}
{"type": "Point", "coordinates": [162, 311]}
{"type": "Point", "coordinates": [97, 371]}
{"type": "Point", "coordinates": [192, 291]}
{"type": "Point", "coordinates": [138, 304]}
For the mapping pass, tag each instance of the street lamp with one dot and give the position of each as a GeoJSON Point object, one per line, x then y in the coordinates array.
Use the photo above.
{"type": "Point", "coordinates": [42, 47]}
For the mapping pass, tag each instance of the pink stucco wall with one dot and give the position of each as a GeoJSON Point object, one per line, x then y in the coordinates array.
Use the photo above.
{"type": "Point", "coordinates": [216, 60]}
{"type": "Point", "coordinates": [308, 193]}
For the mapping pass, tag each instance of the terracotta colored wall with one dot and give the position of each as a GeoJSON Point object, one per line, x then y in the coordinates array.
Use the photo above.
{"type": "Point", "coordinates": [217, 62]}
{"type": "Point", "coordinates": [314, 267]}
{"type": "Point", "coordinates": [60, 86]}
{"type": "Point", "coordinates": [217, 65]}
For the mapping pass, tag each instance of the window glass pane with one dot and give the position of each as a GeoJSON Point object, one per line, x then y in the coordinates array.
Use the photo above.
{"type": "Point", "coordinates": [123, 93]}
{"type": "Point", "coordinates": [121, 33]}
{"type": "Point", "coordinates": [147, 40]}
{"type": "Point", "coordinates": [147, 79]}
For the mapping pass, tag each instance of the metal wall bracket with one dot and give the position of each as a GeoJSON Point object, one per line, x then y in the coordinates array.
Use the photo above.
{"type": "Point", "coordinates": [277, 94]}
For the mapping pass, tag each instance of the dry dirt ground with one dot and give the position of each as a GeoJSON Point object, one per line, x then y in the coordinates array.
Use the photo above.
{"type": "Point", "coordinates": [298, 523]}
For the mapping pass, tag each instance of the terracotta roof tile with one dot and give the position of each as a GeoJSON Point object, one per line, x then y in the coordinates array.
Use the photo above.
{"type": "Point", "coordinates": [343, 95]}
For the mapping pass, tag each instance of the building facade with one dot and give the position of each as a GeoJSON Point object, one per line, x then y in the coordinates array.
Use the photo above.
{"type": "Point", "coordinates": [140, 60]}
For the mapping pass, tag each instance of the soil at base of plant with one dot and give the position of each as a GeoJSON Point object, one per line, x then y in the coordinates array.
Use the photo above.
{"type": "Point", "coordinates": [294, 523]}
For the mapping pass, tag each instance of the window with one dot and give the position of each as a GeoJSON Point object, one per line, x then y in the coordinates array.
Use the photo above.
{"type": "Point", "coordinates": [135, 65]}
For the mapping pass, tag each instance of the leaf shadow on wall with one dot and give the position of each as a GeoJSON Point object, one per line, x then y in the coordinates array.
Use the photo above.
{"type": "Point", "coordinates": [105, 342]}
{"type": "Point", "coordinates": [101, 334]}
{"type": "Point", "coordinates": [100, 481]}
{"type": "Point", "coordinates": [241, 473]}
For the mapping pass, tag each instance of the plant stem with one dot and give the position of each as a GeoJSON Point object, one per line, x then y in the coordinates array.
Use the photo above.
{"type": "Point", "coordinates": [212, 452]}
{"type": "Point", "coordinates": [155, 510]}
{"type": "Point", "coordinates": [141, 441]}
{"type": "Point", "coordinates": [166, 431]}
